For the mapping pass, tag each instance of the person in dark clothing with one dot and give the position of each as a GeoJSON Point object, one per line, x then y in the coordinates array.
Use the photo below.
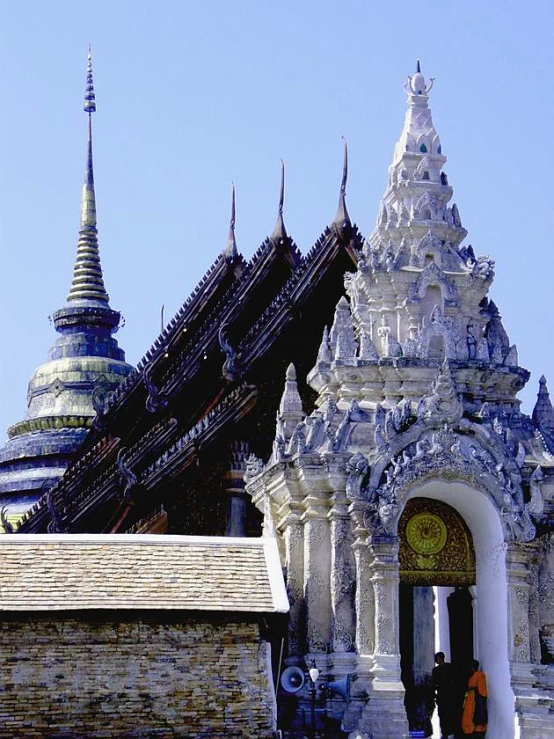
{"type": "Point", "coordinates": [444, 686]}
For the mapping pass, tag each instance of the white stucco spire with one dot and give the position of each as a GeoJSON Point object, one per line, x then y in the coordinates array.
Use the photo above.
{"type": "Point", "coordinates": [419, 130]}
{"type": "Point", "coordinates": [417, 196]}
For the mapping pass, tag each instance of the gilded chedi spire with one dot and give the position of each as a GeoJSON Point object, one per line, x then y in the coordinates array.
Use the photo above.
{"type": "Point", "coordinates": [88, 280]}
{"type": "Point", "coordinates": [85, 363]}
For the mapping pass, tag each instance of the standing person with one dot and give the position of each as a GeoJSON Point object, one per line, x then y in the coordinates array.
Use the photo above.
{"type": "Point", "coordinates": [444, 686]}
{"type": "Point", "coordinates": [474, 715]}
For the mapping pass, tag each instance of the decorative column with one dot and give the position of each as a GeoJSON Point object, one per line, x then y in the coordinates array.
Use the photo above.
{"type": "Point", "coordinates": [519, 651]}
{"type": "Point", "coordinates": [517, 565]}
{"type": "Point", "coordinates": [343, 583]}
{"type": "Point", "coordinates": [364, 602]}
{"type": "Point", "coordinates": [546, 597]}
{"type": "Point", "coordinates": [294, 563]}
{"type": "Point", "coordinates": [364, 619]}
{"type": "Point", "coordinates": [385, 714]}
{"type": "Point", "coordinates": [317, 570]}
{"type": "Point", "coordinates": [234, 487]}
{"type": "Point", "coordinates": [385, 579]}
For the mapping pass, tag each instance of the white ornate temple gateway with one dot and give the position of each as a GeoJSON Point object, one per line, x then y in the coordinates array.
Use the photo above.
{"type": "Point", "coordinates": [414, 505]}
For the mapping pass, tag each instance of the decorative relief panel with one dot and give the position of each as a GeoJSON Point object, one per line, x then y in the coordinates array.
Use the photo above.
{"type": "Point", "coordinates": [435, 545]}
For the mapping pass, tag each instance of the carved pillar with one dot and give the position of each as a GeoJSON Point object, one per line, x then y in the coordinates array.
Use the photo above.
{"type": "Point", "coordinates": [342, 577]}
{"type": "Point", "coordinates": [517, 564]}
{"type": "Point", "coordinates": [534, 718]}
{"type": "Point", "coordinates": [294, 563]}
{"type": "Point", "coordinates": [317, 571]}
{"type": "Point", "coordinates": [234, 488]}
{"type": "Point", "coordinates": [385, 579]}
{"type": "Point", "coordinates": [519, 650]}
{"type": "Point", "coordinates": [546, 598]}
{"type": "Point", "coordinates": [364, 617]}
{"type": "Point", "coordinates": [364, 602]}
{"type": "Point", "coordinates": [385, 714]}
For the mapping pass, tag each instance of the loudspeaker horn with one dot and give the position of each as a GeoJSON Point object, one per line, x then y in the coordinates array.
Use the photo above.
{"type": "Point", "coordinates": [342, 687]}
{"type": "Point", "coordinates": [292, 679]}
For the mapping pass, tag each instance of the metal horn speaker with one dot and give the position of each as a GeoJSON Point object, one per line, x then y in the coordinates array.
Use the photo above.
{"type": "Point", "coordinates": [292, 679]}
{"type": "Point", "coordinates": [341, 687]}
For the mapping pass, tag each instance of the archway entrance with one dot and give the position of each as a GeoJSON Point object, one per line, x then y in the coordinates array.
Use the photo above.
{"type": "Point", "coordinates": [437, 568]}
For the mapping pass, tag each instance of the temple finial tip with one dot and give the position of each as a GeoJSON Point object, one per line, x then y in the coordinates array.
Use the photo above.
{"type": "Point", "coordinates": [231, 250]}
{"type": "Point", "coordinates": [280, 232]}
{"type": "Point", "coordinates": [90, 97]}
{"type": "Point", "coordinates": [342, 219]}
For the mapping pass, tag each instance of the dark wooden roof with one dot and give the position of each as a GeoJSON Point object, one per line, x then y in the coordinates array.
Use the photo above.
{"type": "Point", "coordinates": [181, 400]}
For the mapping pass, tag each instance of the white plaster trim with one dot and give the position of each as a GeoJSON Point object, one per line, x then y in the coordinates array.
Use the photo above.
{"type": "Point", "coordinates": [491, 595]}
{"type": "Point", "coordinates": [275, 575]}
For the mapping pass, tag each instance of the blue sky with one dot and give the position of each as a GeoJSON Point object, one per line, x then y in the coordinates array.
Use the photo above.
{"type": "Point", "coordinates": [193, 96]}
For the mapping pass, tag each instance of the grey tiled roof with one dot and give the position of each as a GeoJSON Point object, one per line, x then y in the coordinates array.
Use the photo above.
{"type": "Point", "coordinates": [42, 572]}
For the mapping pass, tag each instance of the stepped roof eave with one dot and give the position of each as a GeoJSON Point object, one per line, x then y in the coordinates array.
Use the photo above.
{"type": "Point", "coordinates": [184, 444]}
{"type": "Point", "coordinates": [250, 272]}
{"type": "Point", "coordinates": [319, 258]}
{"type": "Point", "coordinates": [199, 296]}
{"type": "Point", "coordinates": [331, 242]}
{"type": "Point", "coordinates": [272, 250]}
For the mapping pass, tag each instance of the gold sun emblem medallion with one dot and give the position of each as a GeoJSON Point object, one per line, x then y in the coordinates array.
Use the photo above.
{"type": "Point", "coordinates": [426, 533]}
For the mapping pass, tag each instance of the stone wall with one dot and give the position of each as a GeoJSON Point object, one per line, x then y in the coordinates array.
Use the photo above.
{"type": "Point", "coordinates": [88, 674]}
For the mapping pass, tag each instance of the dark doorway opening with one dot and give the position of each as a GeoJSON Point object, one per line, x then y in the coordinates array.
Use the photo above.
{"type": "Point", "coordinates": [418, 622]}
{"type": "Point", "coordinates": [437, 567]}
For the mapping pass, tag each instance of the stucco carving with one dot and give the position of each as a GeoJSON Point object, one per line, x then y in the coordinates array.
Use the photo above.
{"type": "Point", "coordinates": [433, 275]}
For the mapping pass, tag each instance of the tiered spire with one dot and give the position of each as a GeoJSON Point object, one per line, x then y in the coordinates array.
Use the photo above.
{"type": "Point", "coordinates": [88, 280]}
{"type": "Point", "coordinates": [543, 413]}
{"type": "Point", "coordinates": [290, 411]}
{"type": "Point", "coordinates": [416, 199]}
{"type": "Point", "coordinates": [66, 392]}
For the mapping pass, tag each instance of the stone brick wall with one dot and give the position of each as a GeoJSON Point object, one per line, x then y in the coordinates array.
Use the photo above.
{"type": "Point", "coordinates": [89, 675]}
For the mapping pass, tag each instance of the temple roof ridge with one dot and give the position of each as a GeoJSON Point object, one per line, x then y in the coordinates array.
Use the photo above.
{"type": "Point", "coordinates": [209, 279]}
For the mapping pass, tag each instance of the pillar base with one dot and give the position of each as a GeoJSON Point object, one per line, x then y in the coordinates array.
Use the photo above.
{"type": "Point", "coordinates": [384, 716]}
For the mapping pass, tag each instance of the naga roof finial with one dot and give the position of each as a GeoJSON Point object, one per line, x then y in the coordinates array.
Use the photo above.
{"type": "Point", "coordinates": [231, 250]}
{"type": "Point", "coordinates": [280, 232]}
{"type": "Point", "coordinates": [342, 219]}
{"type": "Point", "coordinates": [88, 280]}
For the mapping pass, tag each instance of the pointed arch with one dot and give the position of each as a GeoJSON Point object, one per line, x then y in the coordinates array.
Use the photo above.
{"type": "Point", "coordinates": [433, 275]}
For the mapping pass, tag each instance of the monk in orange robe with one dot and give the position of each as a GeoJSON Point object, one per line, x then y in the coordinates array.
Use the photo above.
{"type": "Point", "coordinates": [474, 715]}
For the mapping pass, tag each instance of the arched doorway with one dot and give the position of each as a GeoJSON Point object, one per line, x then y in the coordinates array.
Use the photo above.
{"type": "Point", "coordinates": [437, 569]}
